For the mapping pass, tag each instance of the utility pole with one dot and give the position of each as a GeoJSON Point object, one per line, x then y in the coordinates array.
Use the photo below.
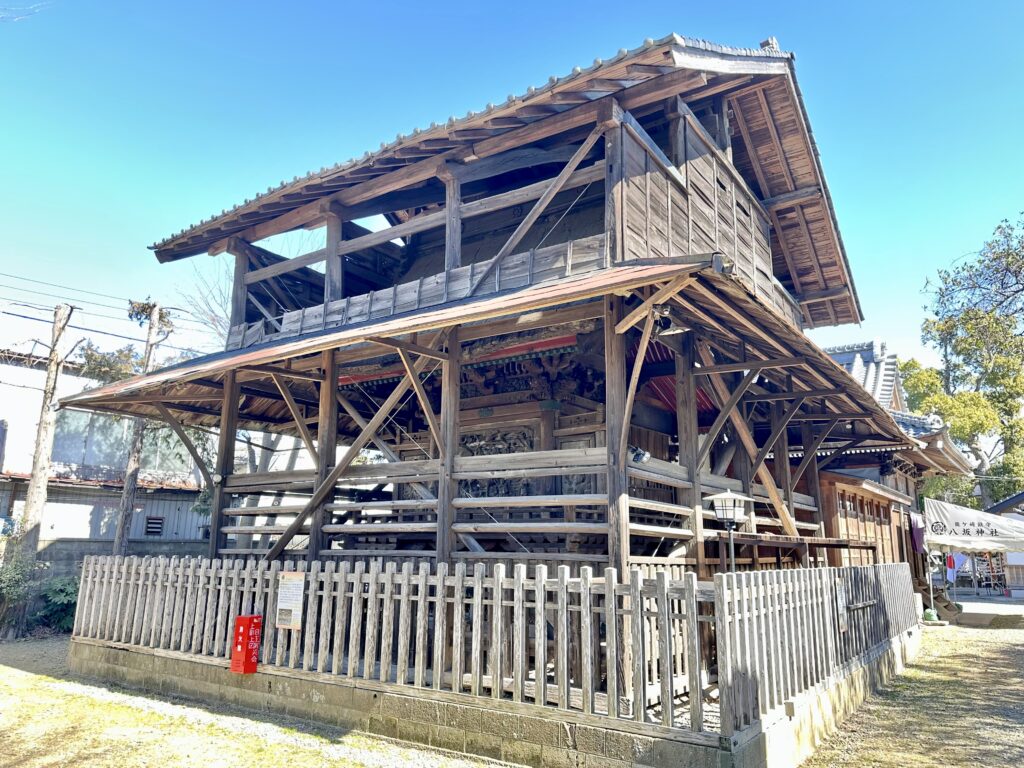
{"type": "Point", "coordinates": [131, 472]}
{"type": "Point", "coordinates": [35, 498]}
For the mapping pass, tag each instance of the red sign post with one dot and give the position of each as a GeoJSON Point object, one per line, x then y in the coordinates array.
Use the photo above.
{"type": "Point", "coordinates": [245, 650]}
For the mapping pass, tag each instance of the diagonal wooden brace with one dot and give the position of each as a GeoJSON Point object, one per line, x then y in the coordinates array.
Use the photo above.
{"type": "Point", "coordinates": [365, 436]}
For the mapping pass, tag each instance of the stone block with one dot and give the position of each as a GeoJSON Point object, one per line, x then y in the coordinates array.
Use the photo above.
{"type": "Point", "coordinates": [522, 753]}
{"type": "Point", "coordinates": [483, 744]}
{"type": "Point", "coordinates": [550, 733]}
{"type": "Point", "coordinates": [629, 747]}
{"type": "Point", "coordinates": [383, 725]}
{"type": "Point", "coordinates": [557, 757]}
{"type": "Point", "coordinates": [410, 730]}
{"type": "Point", "coordinates": [446, 737]}
{"type": "Point", "coordinates": [502, 724]}
{"type": "Point", "coordinates": [590, 740]}
{"type": "Point", "coordinates": [467, 718]}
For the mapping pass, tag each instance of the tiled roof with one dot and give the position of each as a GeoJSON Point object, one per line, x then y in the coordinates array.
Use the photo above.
{"type": "Point", "coordinates": [917, 425]}
{"type": "Point", "coordinates": [876, 370]}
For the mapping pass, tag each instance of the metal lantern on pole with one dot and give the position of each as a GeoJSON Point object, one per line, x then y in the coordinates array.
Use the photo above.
{"type": "Point", "coordinates": [730, 510]}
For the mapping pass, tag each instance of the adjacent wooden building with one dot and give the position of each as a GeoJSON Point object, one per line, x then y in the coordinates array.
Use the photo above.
{"type": "Point", "coordinates": [584, 315]}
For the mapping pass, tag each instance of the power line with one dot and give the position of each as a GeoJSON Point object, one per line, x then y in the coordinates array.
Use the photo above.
{"type": "Point", "coordinates": [181, 317]}
{"type": "Point", "coordinates": [65, 287]}
{"type": "Point", "coordinates": [95, 330]}
{"type": "Point", "coordinates": [121, 318]}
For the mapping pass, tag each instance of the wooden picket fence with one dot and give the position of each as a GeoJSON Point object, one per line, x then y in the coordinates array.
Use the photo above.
{"type": "Point", "coordinates": [781, 633]}
{"type": "Point", "coordinates": [594, 645]}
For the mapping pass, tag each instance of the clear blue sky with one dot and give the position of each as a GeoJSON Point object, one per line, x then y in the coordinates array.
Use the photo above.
{"type": "Point", "coordinates": [123, 122]}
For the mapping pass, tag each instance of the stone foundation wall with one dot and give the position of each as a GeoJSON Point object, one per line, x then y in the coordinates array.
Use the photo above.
{"type": "Point", "coordinates": [504, 730]}
{"type": "Point", "coordinates": [501, 730]}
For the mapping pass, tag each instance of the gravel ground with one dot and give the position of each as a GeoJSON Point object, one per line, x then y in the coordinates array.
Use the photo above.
{"type": "Point", "coordinates": [961, 704]}
{"type": "Point", "coordinates": [48, 720]}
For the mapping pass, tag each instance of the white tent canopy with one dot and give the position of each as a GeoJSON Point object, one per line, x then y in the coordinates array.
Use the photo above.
{"type": "Point", "coordinates": [952, 527]}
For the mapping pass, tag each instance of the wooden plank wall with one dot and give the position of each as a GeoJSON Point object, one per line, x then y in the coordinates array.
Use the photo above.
{"type": "Point", "coordinates": [780, 633]}
{"type": "Point", "coordinates": [712, 212]}
{"type": "Point", "coordinates": [551, 640]}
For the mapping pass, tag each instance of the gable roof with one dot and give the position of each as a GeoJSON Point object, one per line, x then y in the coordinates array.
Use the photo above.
{"type": "Point", "coordinates": [773, 146]}
{"type": "Point", "coordinates": [875, 369]}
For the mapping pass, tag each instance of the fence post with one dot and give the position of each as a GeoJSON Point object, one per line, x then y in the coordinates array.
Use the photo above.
{"type": "Point", "coordinates": [723, 647]}
{"type": "Point", "coordinates": [693, 652]}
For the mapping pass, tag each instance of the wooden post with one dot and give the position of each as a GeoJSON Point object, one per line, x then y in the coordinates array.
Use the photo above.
{"type": "Point", "coordinates": [326, 448]}
{"type": "Point", "coordinates": [616, 427]}
{"type": "Point", "coordinates": [334, 275]}
{"type": "Point", "coordinates": [813, 481]}
{"type": "Point", "coordinates": [686, 425]}
{"type": "Point", "coordinates": [239, 291]}
{"type": "Point", "coordinates": [613, 194]}
{"type": "Point", "coordinates": [447, 487]}
{"type": "Point", "coordinates": [225, 463]}
{"type": "Point", "coordinates": [744, 473]}
{"type": "Point", "coordinates": [452, 221]}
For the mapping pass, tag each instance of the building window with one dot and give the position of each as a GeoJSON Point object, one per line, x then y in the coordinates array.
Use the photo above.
{"type": "Point", "coordinates": [154, 526]}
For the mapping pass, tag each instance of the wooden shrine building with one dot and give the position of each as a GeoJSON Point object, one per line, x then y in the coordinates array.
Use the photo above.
{"type": "Point", "coordinates": [555, 326]}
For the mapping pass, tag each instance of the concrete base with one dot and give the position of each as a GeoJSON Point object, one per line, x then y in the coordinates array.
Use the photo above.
{"type": "Point", "coordinates": [791, 734]}
{"type": "Point", "coordinates": [517, 733]}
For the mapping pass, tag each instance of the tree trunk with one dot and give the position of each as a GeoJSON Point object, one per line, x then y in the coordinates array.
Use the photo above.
{"type": "Point", "coordinates": [126, 508]}
{"type": "Point", "coordinates": [35, 497]}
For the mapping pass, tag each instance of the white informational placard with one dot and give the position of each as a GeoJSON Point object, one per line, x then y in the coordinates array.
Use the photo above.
{"type": "Point", "coordinates": [952, 528]}
{"type": "Point", "coordinates": [842, 606]}
{"type": "Point", "coordinates": [291, 588]}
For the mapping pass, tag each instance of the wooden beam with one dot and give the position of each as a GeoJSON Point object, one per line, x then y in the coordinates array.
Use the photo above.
{"type": "Point", "coordinates": [721, 392]}
{"type": "Point", "coordinates": [687, 430]}
{"type": "Point", "coordinates": [273, 370]}
{"type": "Point", "coordinates": [724, 414]}
{"type": "Point", "coordinates": [334, 262]}
{"type": "Point", "coordinates": [448, 447]}
{"type": "Point", "coordinates": [764, 397]}
{"type": "Point", "coordinates": [750, 365]}
{"type": "Point", "coordinates": [421, 395]}
{"type": "Point", "coordinates": [326, 486]}
{"type": "Point", "coordinates": [811, 450]}
{"type": "Point", "coordinates": [225, 464]}
{"type": "Point", "coordinates": [297, 416]}
{"type": "Point", "coordinates": [840, 451]}
{"type": "Point", "coordinates": [238, 290]}
{"type": "Point", "coordinates": [797, 196]}
{"type": "Point", "coordinates": [327, 447]}
{"type": "Point", "coordinates": [634, 380]}
{"type": "Point", "coordinates": [616, 431]}
{"type": "Point", "coordinates": [539, 207]}
{"type": "Point", "coordinates": [175, 425]}
{"type": "Point", "coordinates": [660, 296]}
{"type": "Point", "coordinates": [452, 221]}
{"type": "Point", "coordinates": [409, 346]}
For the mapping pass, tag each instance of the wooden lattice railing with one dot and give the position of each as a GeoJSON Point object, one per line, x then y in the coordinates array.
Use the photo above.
{"type": "Point", "coordinates": [595, 646]}
{"type": "Point", "coordinates": [781, 633]}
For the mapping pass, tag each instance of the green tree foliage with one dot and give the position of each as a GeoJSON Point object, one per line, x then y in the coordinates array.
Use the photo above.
{"type": "Point", "coordinates": [977, 328]}
{"type": "Point", "coordinates": [59, 595]}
